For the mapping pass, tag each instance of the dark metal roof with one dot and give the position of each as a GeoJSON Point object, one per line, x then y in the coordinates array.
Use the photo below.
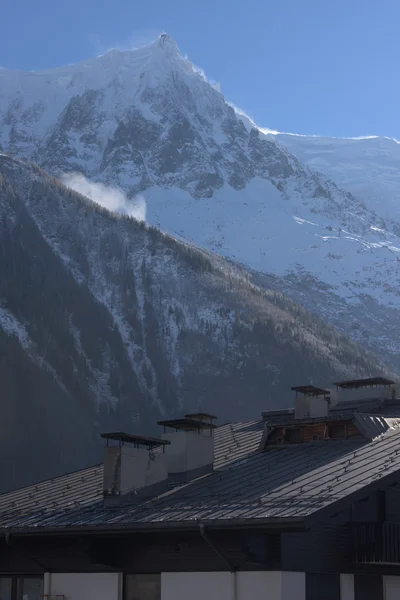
{"type": "Point", "coordinates": [187, 424]}
{"type": "Point", "coordinates": [235, 441]}
{"type": "Point", "coordinates": [373, 426]}
{"type": "Point", "coordinates": [313, 420]}
{"type": "Point", "coordinates": [344, 409]}
{"type": "Point", "coordinates": [231, 442]}
{"type": "Point", "coordinates": [310, 390]}
{"type": "Point", "coordinates": [201, 416]}
{"type": "Point", "coordinates": [130, 438]}
{"type": "Point", "coordinates": [74, 489]}
{"type": "Point", "coordinates": [358, 383]}
{"type": "Point", "coordinates": [362, 405]}
{"type": "Point", "coordinates": [291, 482]}
{"type": "Point", "coordinates": [285, 483]}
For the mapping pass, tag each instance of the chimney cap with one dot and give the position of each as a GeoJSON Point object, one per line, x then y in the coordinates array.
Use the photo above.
{"type": "Point", "coordinates": [310, 390]}
{"type": "Point", "coordinates": [201, 416]}
{"type": "Point", "coordinates": [187, 424]}
{"type": "Point", "coordinates": [358, 383]}
{"type": "Point", "coordinates": [141, 440]}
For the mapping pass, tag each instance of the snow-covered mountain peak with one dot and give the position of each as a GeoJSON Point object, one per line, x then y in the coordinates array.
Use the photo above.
{"type": "Point", "coordinates": [162, 54]}
{"type": "Point", "coordinates": [159, 59]}
{"type": "Point", "coordinates": [147, 121]}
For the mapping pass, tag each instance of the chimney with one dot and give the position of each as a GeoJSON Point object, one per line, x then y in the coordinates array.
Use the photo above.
{"type": "Point", "coordinates": [190, 452]}
{"type": "Point", "coordinates": [132, 468]}
{"type": "Point", "coordinates": [372, 388]}
{"type": "Point", "coordinates": [311, 402]}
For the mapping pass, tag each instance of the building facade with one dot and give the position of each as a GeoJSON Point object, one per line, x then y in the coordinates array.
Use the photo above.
{"type": "Point", "coordinates": [302, 504]}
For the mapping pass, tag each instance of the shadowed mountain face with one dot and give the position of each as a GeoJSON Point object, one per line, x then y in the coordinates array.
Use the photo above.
{"type": "Point", "coordinates": [106, 323]}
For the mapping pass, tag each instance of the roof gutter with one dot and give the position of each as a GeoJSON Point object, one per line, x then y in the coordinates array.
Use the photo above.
{"type": "Point", "coordinates": [293, 523]}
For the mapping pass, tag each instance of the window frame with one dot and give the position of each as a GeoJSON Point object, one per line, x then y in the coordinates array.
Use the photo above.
{"type": "Point", "coordinates": [17, 580]}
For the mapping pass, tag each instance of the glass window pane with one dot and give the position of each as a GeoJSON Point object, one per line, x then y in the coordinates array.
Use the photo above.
{"type": "Point", "coordinates": [30, 588]}
{"type": "Point", "coordinates": [142, 587]}
{"type": "Point", "coordinates": [5, 588]}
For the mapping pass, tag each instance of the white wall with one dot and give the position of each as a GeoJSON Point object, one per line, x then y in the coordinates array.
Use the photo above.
{"type": "Point", "coordinates": [87, 586]}
{"type": "Point", "coordinates": [267, 585]}
{"type": "Point", "coordinates": [391, 588]}
{"type": "Point", "coordinates": [346, 586]}
{"type": "Point", "coordinates": [293, 586]}
{"type": "Point", "coordinates": [254, 585]}
{"type": "Point", "coordinates": [196, 586]}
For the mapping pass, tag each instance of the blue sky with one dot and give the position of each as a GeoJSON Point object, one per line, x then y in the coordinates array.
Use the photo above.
{"type": "Point", "coordinates": [307, 66]}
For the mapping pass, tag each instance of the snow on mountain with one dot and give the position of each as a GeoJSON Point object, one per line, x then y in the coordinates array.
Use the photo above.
{"type": "Point", "coordinates": [148, 123]}
{"type": "Point", "coordinates": [369, 166]}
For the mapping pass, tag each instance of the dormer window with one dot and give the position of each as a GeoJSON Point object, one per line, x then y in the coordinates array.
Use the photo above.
{"type": "Point", "coordinates": [337, 431]}
{"type": "Point", "coordinates": [293, 435]}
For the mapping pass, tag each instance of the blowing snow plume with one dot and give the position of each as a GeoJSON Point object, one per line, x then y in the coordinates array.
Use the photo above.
{"type": "Point", "coordinates": [112, 199]}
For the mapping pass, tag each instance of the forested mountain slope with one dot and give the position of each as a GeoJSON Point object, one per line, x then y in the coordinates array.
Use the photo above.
{"type": "Point", "coordinates": [106, 323]}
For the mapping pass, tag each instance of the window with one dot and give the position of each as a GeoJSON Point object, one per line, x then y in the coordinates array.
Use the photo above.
{"type": "Point", "coordinates": [322, 585]}
{"type": "Point", "coordinates": [29, 587]}
{"type": "Point", "coordinates": [142, 587]}
{"type": "Point", "coordinates": [368, 587]}
{"type": "Point", "coordinates": [337, 431]}
{"type": "Point", "coordinates": [5, 588]}
{"type": "Point", "coordinates": [293, 435]}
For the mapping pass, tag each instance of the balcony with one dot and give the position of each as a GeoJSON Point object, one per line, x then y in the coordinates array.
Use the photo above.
{"type": "Point", "coordinates": [377, 543]}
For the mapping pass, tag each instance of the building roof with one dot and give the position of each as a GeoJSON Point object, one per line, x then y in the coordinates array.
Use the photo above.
{"type": "Point", "coordinates": [310, 390]}
{"type": "Point", "coordinates": [289, 482]}
{"type": "Point", "coordinates": [359, 383]}
{"type": "Point", "coordinates": [231, 442]}
{"type": "Point", "coordinates": [345, 409]}
{"type": "Point", "coordinates": [280, 484]}
{"type": "Point", "coordinates": [235, 441]}
{"type": "Point", "coordinates": [279, 415]}
{"type": "Point", "coordinates": [187, 424]}
{"type": "Point", "coordinates": [74, 489]}
{"type": "Point", "coordinates": [373, 426]}
{"type": "Point", "coordinates": [201, 416]}
{"type": "Point", "coordinates": [139, 440]}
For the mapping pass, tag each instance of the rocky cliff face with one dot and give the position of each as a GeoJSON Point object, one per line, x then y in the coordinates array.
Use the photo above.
{"type": "Point", "coordinates": [106, 323]}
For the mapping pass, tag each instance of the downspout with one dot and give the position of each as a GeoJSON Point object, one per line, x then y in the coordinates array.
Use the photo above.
{"type": "Point", "coordinates": [222, 557]}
